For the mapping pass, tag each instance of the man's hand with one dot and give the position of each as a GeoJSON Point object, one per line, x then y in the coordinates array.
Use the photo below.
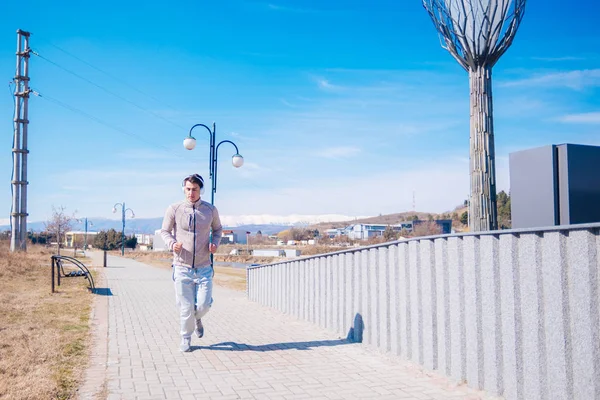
{"type": "Point", "coordinates": [212, 247]}
{"type": "Point", "coordinates": [177, 247]}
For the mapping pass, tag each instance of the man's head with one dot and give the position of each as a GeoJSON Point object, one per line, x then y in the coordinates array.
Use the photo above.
{"type": "Point", "coordinates": [192, 186]}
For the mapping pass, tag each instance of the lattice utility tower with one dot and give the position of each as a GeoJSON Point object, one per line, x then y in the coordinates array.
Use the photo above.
{"type": "Point", "coordinates": [18, 215]}
{"type": "Point", "coordinates": [477, 33]}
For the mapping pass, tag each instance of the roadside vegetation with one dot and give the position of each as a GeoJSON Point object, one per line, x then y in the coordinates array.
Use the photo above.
{"type": "Point", "coordinates": [235, 277]}
{"type": "Point", "coordinates": [44, 337]}
{"type": "Point", "coordinates": [228, 277]}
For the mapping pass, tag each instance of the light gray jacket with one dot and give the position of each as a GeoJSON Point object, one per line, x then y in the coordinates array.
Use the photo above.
{"type": "Point", "coordinates": [191, 225]}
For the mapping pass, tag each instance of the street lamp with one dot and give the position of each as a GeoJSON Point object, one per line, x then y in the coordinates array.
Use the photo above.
{"type": "Point", "coordinates": [85, 223]}
{"type": "Point", "coordinates": [123, 212]}
{"type": "Point", "coordinates": [236, 160]}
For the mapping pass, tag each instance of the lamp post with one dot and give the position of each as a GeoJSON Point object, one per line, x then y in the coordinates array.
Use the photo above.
{"type": "Point", "coordinates": [85, 224]}
{"type": "Point", "coordinates": [123, 213]}
{"type": "Point", "coordinates": [236, 160]}
{"type": "Point", "coordinates": [86, 231]}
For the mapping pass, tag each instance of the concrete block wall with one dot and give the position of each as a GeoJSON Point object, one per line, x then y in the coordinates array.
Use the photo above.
{"type": "Point", "coordinates": [515, 313]}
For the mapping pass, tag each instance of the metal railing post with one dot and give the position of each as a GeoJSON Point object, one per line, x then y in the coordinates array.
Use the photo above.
{"type": "Point", "coordinates": [52, 273]}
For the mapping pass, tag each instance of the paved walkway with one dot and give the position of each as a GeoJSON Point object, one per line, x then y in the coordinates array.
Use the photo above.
{"type": "Point", "coordinates": [248, 351]}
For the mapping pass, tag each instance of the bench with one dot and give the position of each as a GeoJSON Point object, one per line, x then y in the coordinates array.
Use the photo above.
{"type": "Point", "coordinates": [81, 271]}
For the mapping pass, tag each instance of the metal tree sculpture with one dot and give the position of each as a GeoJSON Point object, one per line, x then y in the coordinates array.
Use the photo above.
{"type": "Point", "coordinates": [477, 33]}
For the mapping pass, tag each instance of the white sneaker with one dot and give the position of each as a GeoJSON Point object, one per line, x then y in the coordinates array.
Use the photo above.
{"type": "Point", "coordinates": [199, 328]}
{"type": "Point", "coordinates": [185, 344]}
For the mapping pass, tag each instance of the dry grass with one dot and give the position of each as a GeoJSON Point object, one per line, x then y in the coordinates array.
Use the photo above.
{"type": "Point", "coordinates": [229, 277]}
{"type": "Point", "coordinates": [44, 337]}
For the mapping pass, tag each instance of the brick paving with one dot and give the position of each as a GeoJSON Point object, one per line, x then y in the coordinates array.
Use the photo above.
{"type": "Point", "coordinates": [248, 351]}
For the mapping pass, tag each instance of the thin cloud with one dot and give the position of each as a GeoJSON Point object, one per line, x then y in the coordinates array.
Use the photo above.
{"type": "Point", "coordinates": [338, 152]}
{"type": "Point", "coordinates": [582, 118]}
{"type": "Point", "coordinates": [261, 55]}
{"type": "Point", "coordinates": [558, 59]}
{"type": "Point", "coordinates": [276, 7]}
{"type": "Point", "coordinates": [398, 184]}
{"type": "Point", "coordinates": [252, 170]}
{"type": "Point", "coordinates": [577, 80]}
{"type": "Point", "coordinates": [287, 103]}
{"type": "Point", "coordinates": [378, 88]}
{"type": "Point", "coordinates": [240, 137]}
{"type": "Point", "coordinates": [325, 84]}
{"type": "Point", "coordinates": [146, 154]}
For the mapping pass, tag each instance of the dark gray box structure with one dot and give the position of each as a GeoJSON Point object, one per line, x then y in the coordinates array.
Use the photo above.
{"type": "Point", "coordinates": [555, 185]}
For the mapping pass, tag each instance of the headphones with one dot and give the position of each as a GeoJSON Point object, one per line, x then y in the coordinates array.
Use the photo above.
{"type": "Point", "coordinates": [194, 178]}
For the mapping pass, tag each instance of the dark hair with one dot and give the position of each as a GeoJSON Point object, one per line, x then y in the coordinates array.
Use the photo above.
{"type": "Point", "coordinates": [194, 178]}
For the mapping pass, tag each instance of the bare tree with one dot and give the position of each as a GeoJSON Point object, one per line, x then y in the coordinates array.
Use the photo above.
{"type": "Point", "coordinates": [390, 234]}
{"type": "Point", "coordinates": [427, 228]}
{"type": "Point", "coordinates": [477, 33]}
{"type": "Point", "coordinates": [59, 225]}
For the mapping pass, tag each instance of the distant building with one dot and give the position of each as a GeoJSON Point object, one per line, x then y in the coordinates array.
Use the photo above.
{"type": "Point", "coordinates": [158, 244]}
{"type": "Point", "coordinates": [288, 253]}
{"type": "Point", "coordinates": [368, 231]}
{"type": "Point", "coordinates": [291, 253]}
{"type": "Point", "coordinates": [444, 224]}
{"type": "Point", "coordinates": [78, 238]}
{"type": "Point", "coordinates": [144, 239]}
{"type": "Point", "coordinates": [237, 236]}
{"type": "Point", "coordinates": [268, 253]}
{"type": "Point", "coordinates": [334, 232]}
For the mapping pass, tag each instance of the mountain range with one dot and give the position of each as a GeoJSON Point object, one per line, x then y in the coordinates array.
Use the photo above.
{"type": "Point", "coordinates": [148, 226]}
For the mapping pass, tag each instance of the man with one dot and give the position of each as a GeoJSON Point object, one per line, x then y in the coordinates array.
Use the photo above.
{"type": "Point", "coordinates": [186, 230]}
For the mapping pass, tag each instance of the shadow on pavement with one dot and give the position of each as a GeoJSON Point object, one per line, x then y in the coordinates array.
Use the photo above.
{"type": "Point", "coordinates": [355, 334]}
{"type": "Point", "coordinates": [233, 346]}
{"type": "Point", "coordinates": [103, 291]}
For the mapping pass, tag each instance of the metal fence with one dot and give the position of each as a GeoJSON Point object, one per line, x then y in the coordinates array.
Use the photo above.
{"type": "Point", "coordinates": [515, 313]}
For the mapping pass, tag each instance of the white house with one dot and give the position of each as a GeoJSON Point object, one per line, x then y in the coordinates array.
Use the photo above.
{"type": "Point", "coordinates": [366, 231]}
{"type": "Point", "coordinates": [268, 253]}
{"type": "Point", "coordinates": [158, 244]}
{"type": "Point", "coordinates": [291, 253]}
{"type": "Point", "coordinates": [238, 236]}
{"type": "Point", "coordinates": [334, 232]}
{"type": "Point", "coordinates": [78, 238]}
{"type": "Point", "coordinates": [144, 238]}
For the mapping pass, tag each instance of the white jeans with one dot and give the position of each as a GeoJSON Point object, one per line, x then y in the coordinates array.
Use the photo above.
{"type": "Point", "coordinates": [193, 295]}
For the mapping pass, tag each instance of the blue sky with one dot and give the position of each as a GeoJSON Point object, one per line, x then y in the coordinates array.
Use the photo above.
{"type": "Point", "coordinates": [344, 108]}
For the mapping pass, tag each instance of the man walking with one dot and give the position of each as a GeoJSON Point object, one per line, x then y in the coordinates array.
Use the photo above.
{"type": "Point", "coordinates": [186, 231]}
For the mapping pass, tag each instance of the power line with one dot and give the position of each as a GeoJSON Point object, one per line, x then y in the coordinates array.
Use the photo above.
{"type": "Point", "coordinates": [98, 120]}
{"type": "Point", "coordinates": [106, 90]}
{"type": "Point", "coordinates": [112, 76]}
{"type": "Point", "coordinates": [10, 89]}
